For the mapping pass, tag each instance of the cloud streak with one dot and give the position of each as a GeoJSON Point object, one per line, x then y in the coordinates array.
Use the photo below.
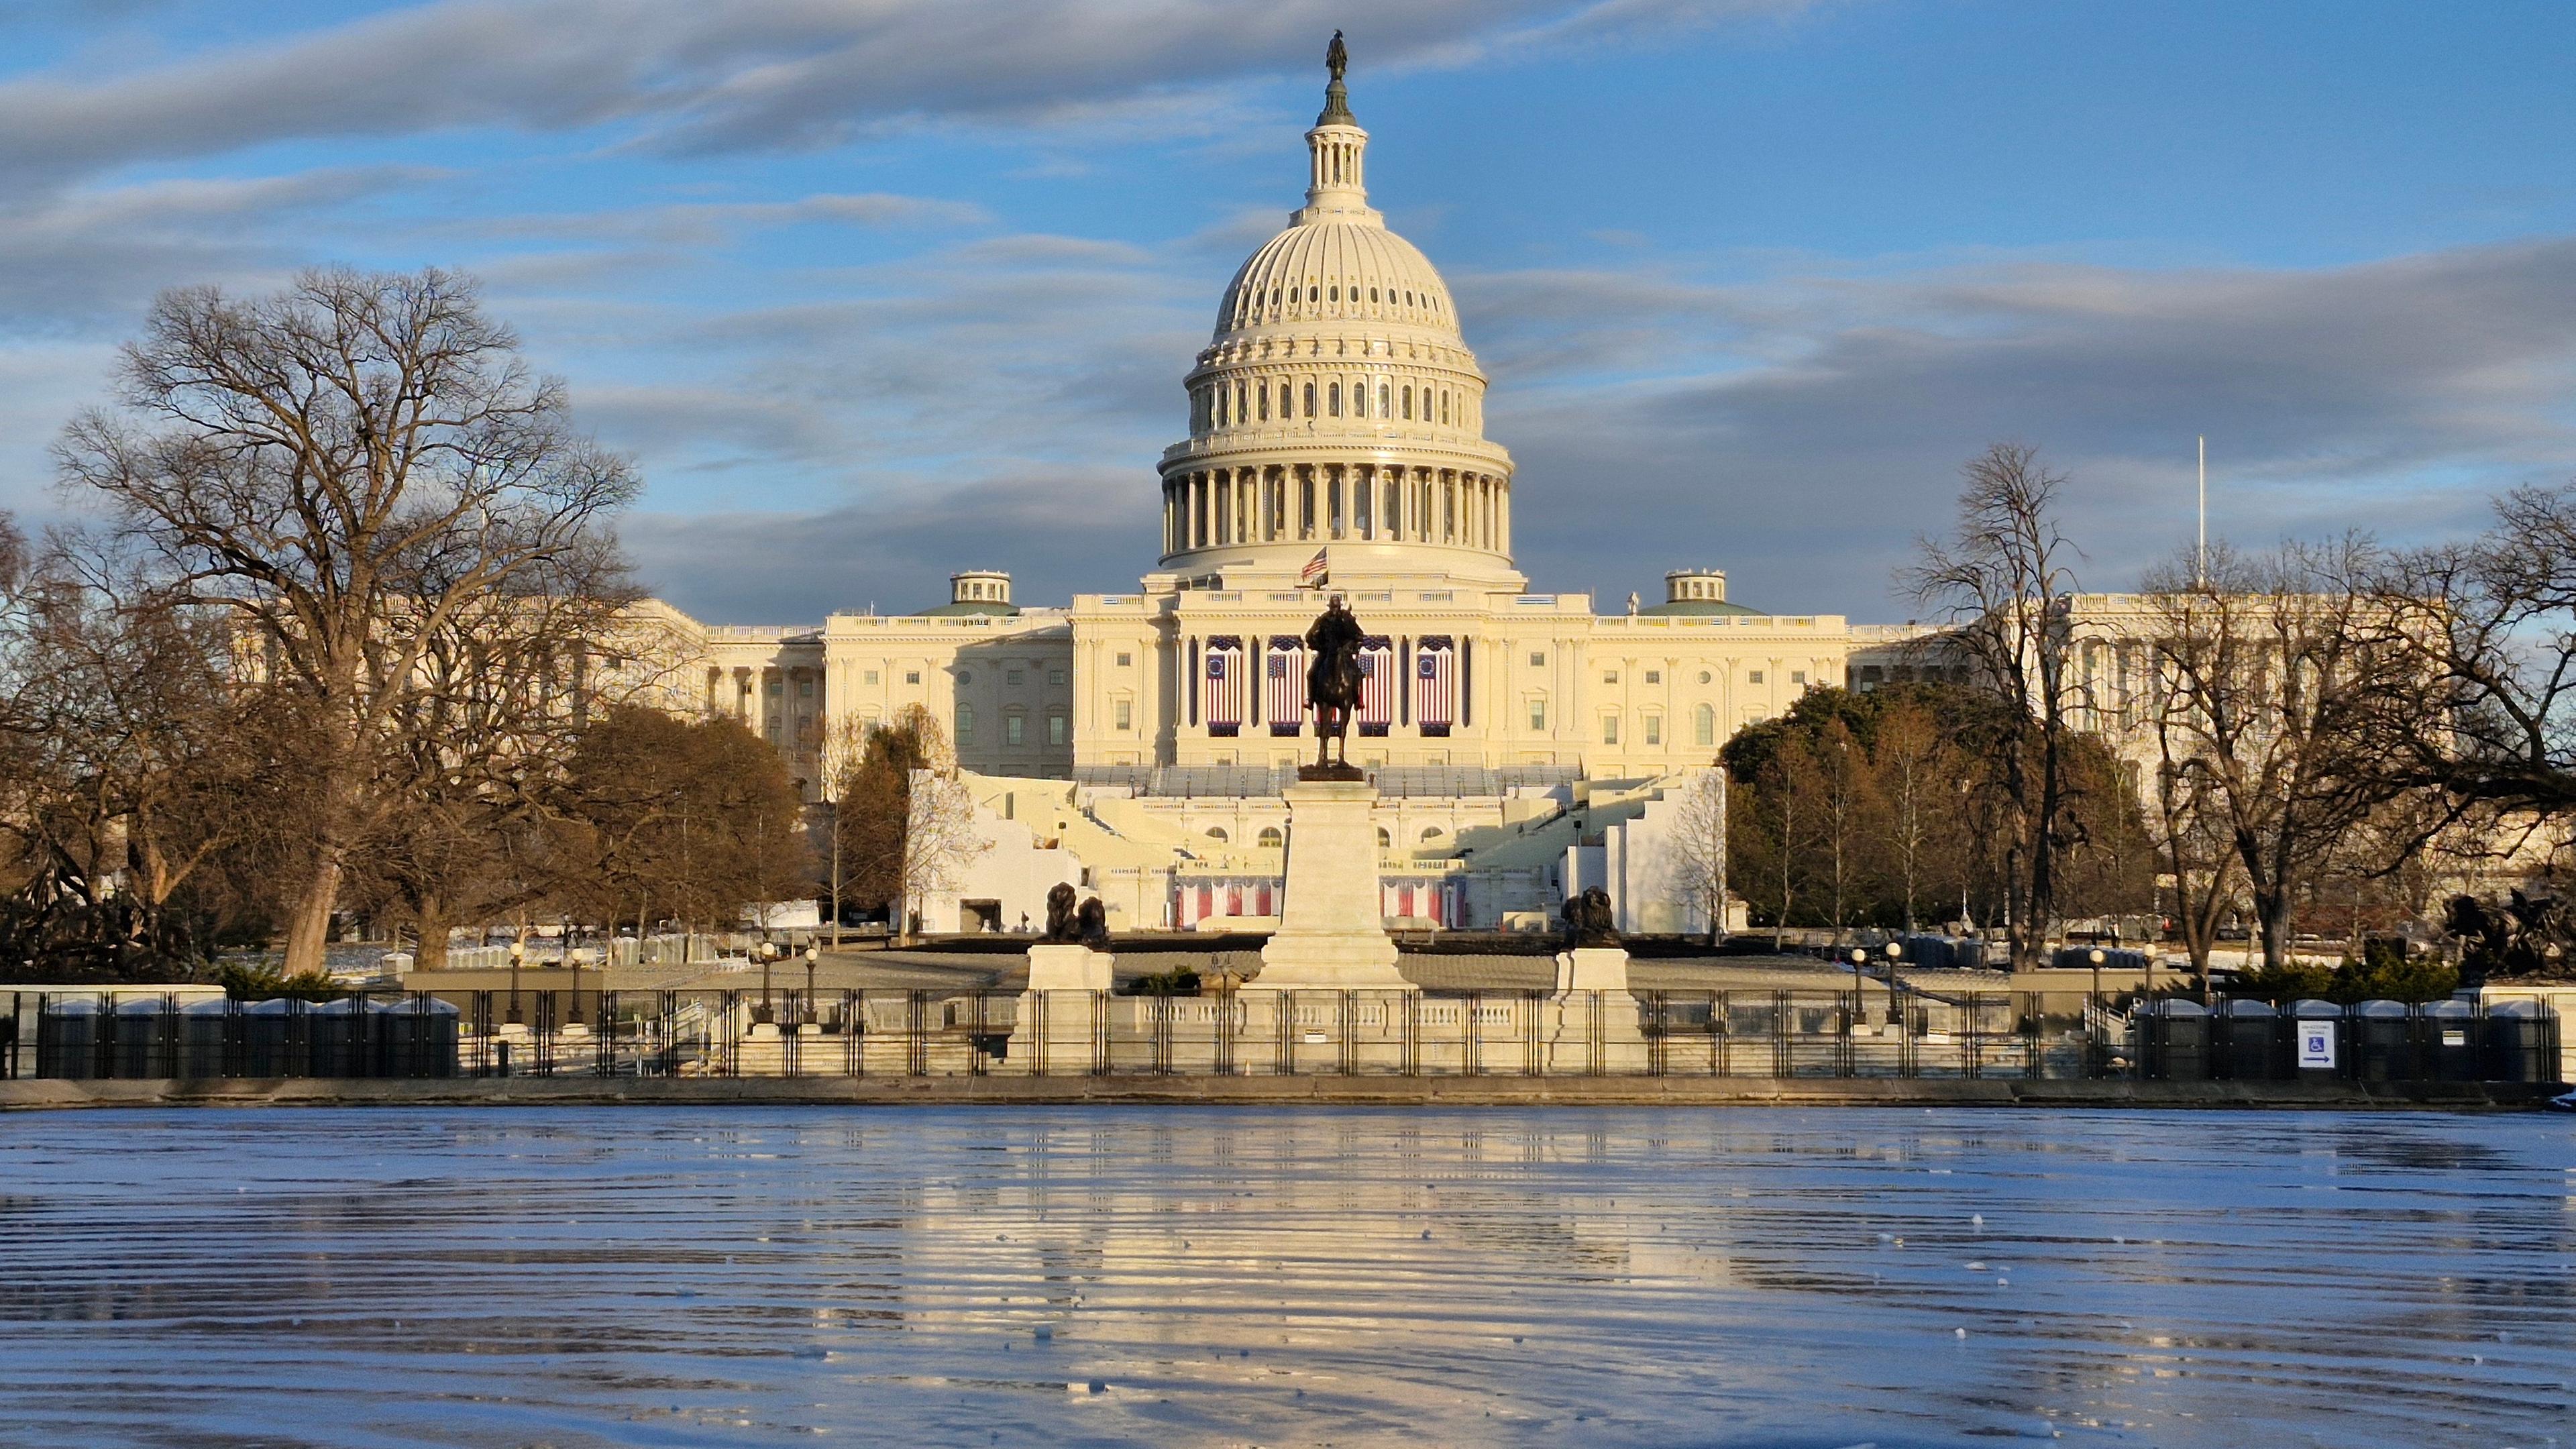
{"type": "Point", "coordinates": [735, 75]}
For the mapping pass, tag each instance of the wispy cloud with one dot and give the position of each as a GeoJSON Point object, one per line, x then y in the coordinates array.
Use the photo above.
{"type": "Point", "coordinates": [729, 75]}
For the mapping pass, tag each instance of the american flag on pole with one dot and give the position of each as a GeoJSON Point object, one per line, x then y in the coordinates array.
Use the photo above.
{"type": "Point", "coordinates": [1377, 685]}
{"type": "Point", "coordinates": [1223, 702]}
{"type": "Point", "coordinates": [1313, 575]}
{"type": "Point", "coordinates": [1284, 688]}
{"type": "Point", "coordinates": [1435, 684]}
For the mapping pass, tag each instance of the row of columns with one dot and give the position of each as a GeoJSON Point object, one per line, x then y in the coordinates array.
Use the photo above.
{"type": "Point", "coordinates": [1309, 502]}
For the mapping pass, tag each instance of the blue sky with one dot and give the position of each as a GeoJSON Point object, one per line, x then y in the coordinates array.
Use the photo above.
{"type": "Point", "coordinates": [875, 290]}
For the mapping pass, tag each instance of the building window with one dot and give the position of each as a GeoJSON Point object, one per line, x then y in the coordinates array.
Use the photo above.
{"type": "Point", "coordinates": [804, 689]}
{"type": "Point", "coordinates": [1797, 676]}
{"type": "Point", "coordinates": [1654, 729]}
{"type": "Point", "coordinates": [912, 676]}
{"type": "Point", "coordinates": [1015, 676]}
{"type": "Point", "coordinates": [1384, 840]}
{"type": "Point", "coordinates": [1704, 726]}
{"type": "Point", "coordinates": [1310, 399]}
{"type": "Point", "coordinates": [965, 676]}
{"type": "Point", "coordinates": [1270, 838]}
{"type": "Point", "coordinates": [965, 723]}
{"type": "Point", "coordinates": [1537, 660]}
{"type": "Point", "coordinates": [1128, 661]}
{"type": "Point", "coordinates": [1654, 676]}
{"type": "Point", "coordinates": [1216, 833]}
{"type": "Point", "coordinates": [1012, 728]}
{"type": "Point", "coordinates": [1055, 729]}
{"type": "Point", "coordinates": [1609, 676]}
{"type": "Point", "coordinates": [1538, 712]}
{"type": "Point", "coordinates": [1609, 729]}
{"type": "Point", "coordinates": [1055, 676]}
{"type": "Point", "coordinates": [1333, 399]}
{"type": "Point", "coordinates": [1382, 398]}
{"type": "Point", "coordinates": [872, 676]}
{"type": "Point", "coordinates": [1755, 677]}
{"type": "Point", "coordinates": [1126, 709]}
{"type": "Point", "coordinates": [1703, 676]}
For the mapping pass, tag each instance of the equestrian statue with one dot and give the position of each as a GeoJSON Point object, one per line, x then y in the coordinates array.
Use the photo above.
{"type": "Point", "coordinates": [1333, 689]}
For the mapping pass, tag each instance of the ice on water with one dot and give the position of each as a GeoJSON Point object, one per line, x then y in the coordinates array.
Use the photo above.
{"type": "Point", "coordinates": [1216, 1276]}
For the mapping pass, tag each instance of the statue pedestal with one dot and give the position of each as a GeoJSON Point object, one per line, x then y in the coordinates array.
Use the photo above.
{"type": "Point", "coordinates": [1590, 1023]}
{"type": "Point", "coordinates": [1332, 930]}
{"type": "Point", "coordinates": [1068, 968]}
{"type": "Point", "coordinates": [1053, 1028]}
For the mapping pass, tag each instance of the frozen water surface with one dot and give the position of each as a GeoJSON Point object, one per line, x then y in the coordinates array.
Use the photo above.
{"type": "Point", "coordinates": [1122, 1275]}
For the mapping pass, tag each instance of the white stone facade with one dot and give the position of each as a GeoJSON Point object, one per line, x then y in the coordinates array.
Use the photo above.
{"type": "Point", "coordinates": [1336, 412]}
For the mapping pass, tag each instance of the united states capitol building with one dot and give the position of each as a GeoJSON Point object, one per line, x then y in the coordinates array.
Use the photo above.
{"type": "Point", "coordinates": [1525, 743]}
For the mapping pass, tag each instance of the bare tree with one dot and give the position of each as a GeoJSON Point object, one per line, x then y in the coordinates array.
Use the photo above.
{"type": "Point", "coordinates": [2488, 630]}
{"type": "Point", "coordinates": [354, 471]}
{"type": "Point", "coordinates": [1844, 805]}
{"type": "Point", "coordinates": [1699, 846]}
{"type": "Point", "coordinates": [2000, 581]}
{"type": "Point", "coordinates": [1919, 773]}
{"type": "Point", "coordinates": [939, 839]}
{"type": "Point", "coordinates": [2272, 670]}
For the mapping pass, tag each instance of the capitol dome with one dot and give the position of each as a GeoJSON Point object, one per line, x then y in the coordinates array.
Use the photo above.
{"type": "Point", "coordinates": [1337, 407]}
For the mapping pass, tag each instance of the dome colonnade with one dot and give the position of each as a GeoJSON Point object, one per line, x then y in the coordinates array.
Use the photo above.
{"type": "Point", "coordinates": [1338, 403]}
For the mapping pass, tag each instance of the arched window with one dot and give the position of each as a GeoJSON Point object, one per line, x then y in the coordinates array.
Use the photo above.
{"type": "Point", "coordinates": [1704, 724]}
{"type": "Point", "coordinates": [1221, 401]}
{"type": "Point", "coordinates": [1384, 396]}
{"type": "Point", "coordinates": [1444, 405]}
{"type": "Point", "coordinates": [1408, 402]}
{"type": "Point", "coordinates": [1216, 833]}
{"type": "Point", "coordinates": [1274, 296]}
{"type": "Point", "coordinates": [1333, 398]}
{"type": "Point", "coordinates": [1287, 403]}
{"type": "Point", "coordinates": [1372, 295]}
{"type": "Point", "coordinates": [1384, 840]}
{"type": "Point", "coordinates": [965, 722]}
{"type": "Point", "coordinates": [1431, 832]}
{"type": "Point", "coordinates": [1270, 838]}
{"type": "Point", "coordinates": [1313, 293]}
{"type": "Point", "coordinates": [1310, 399]}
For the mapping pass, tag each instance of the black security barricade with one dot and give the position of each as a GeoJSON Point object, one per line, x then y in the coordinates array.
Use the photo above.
{"type": "Point", "coordinates": [1877, 1029]}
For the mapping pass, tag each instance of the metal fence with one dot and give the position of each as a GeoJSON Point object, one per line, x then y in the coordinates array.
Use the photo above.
{"type": "Point", "coordinates": [794, 1033]}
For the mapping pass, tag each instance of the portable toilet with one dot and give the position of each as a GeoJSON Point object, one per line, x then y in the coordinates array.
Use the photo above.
{"type": "Point", "coordinates": [2451, 1039]}
{"type": "Point", "coordinates": [338, 1031]}
{"type": "Point", "coordinates": [68, 1030]}
{"type": "Point", "coordinates": [146, 1038]}
{"type": "Point", "coordinates": [207, 1042]}
{"type": "Point", "coordinates": [415, 1036]}
{"type": "Point", "coordinates": [2386, 1046]}
{"type": "Point", "coordinates": [273, 1042]}
{"type": "Point", "coordinates": [2318, 1049]}
{"type": "Point", "coordinates": [2248, 1045]}
{"type": "Point", "coordinates": [2521, 1042]}
{"type": "Point", "coordinates": [2176, 1039]}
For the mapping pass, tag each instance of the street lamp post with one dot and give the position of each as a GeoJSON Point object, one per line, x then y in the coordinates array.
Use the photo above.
{"type": "Point", "coordinates": [1895, 1013]}
{"type": "Point", "coordinates": [813, 954]}
{"type": "Point", "coordinates": [2093, 1012]}
{"type": "Point", "coordinates": [518, 952]}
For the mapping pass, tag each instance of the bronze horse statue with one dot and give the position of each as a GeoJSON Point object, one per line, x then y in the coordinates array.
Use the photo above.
{"type": "Point", "coordinates": [1333, 685]}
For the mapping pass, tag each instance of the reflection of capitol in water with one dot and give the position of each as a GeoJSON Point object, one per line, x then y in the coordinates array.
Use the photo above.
{"type": "Point", "coordinates": [1200, 1276]}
